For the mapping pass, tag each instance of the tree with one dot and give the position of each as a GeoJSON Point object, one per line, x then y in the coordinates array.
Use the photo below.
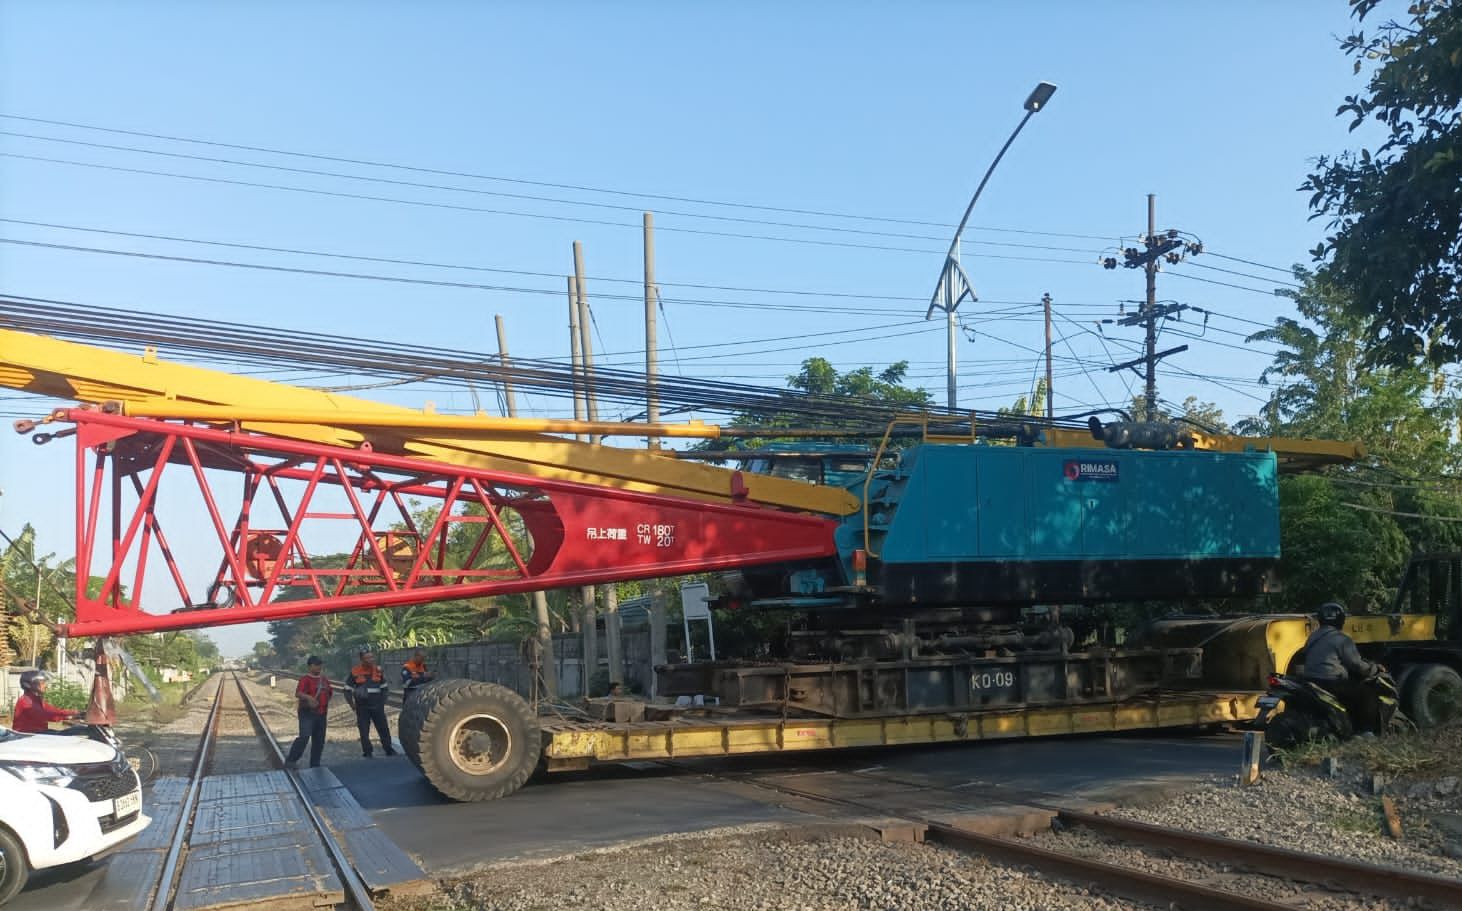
{"type": "Point", "coordinates": [884, 391]}
{"type": "Point", "coordinates": [1396, 212]}
{"type": "Point", "coordinates": [1347, 535]}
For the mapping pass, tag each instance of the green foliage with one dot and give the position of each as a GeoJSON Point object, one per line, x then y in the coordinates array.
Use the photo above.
{"type": "Point", "coordinates": [1396, 212]}
{"type": "Point", "coordinates": [1345, 536]}
{"type": "Point", "coordinates": [885, 390]}
{"type": "Point", "coordinates": [67, 695]}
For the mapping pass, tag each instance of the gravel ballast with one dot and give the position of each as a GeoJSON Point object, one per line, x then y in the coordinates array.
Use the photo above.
{"type": "Point", "coordinates": [761, 873]}
{"type": "Point", "coordinates": [1304, 812]}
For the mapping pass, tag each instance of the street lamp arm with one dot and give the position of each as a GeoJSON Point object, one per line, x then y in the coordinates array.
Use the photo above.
{"type": "Point", "coordinates": [986, 179]}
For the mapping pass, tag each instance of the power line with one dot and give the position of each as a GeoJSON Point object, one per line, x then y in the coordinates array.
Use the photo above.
{"type": "Point", "coordinates": [799, 292]}
{"type": "Point", "coordinates": [1214, 281]}
{"type": "Point", "coordinates": [1250, 262]}
{"type": "Point", "coordinates": [337, 194]}
{"type": "Point", "coordinates": [521, 181]}
{"type": "Point", "coordinates": [1244, 274]}
{"type": "Point", "coordinates": [315, 172]}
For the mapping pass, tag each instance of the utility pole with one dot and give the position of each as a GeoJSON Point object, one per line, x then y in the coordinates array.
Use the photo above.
{"type": "Point", "coordinates": [543, 632]}
{"type": "Point", "coordinates": [575, 357]}
{"type": "Point", "coordinates": [1150, 389]}
{"type": "Point", "coordinates": [1171, 247]}
{"type": "Point", "coordinates": [509, 402]}
{"type": "Point", "coordinates": [652, 366]}
{"type": "Point", "coordinates": [1050, 403]}
{"type": "Point", "coordinates": [586, 334]}
{"type": "Point", "coordinates": [589, 627]}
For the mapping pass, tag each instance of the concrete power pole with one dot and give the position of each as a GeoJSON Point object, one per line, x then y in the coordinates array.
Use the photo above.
{"type": "Point", "coordinates": [652, 365]}
{"type": "Point", "coordinates": [1050, 397]}
{"type": "Point", "coordinates": [588, 595]}
{"type": "Point", "coordinates": [543, 632]}
{"type": "Point", "coordinates": [1168, 247]}
{"type": "Point", "coordinates": [1148, 308]}
{"type": "Point", "coordinates": [509, 401]}
{"type": "Point", "coordinates": [575, 357]}
{"type": "Point", "coordinates": [586, 333]}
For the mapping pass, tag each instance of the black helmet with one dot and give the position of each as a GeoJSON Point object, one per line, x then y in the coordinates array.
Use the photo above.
{"type": "Point", "coordinates": [30, 679]}
{"type": "Point", "coordinates": [1332, 614]}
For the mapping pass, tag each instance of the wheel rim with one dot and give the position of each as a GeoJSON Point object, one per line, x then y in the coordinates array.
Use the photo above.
{"type": "Point", "coordinates": [480, 744]}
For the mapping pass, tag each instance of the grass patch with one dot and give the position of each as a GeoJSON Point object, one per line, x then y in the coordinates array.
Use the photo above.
{"type": "Point", "coordinates": [1364, 819]}
{"type": "Point", "coordinates": [1308, 753]}
{"type": "Point", "coordinates": [1403, 754]}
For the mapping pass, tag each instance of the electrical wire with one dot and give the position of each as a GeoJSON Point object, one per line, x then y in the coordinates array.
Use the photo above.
{"type": "Point", "coordinates": [1214, 281]}
{"type": "Point", "coordinates": [368, 357]}
{"type": "Point", "coordinates": [1198, 265]}
{"type": "Point", "coordinates": [521, 181]}
{"type": "Point", "coordinates": [1249, 262]}
{"type": "Point", "coordinates": [396, 200]}
{"type": "Point", "coordinates": [313, 172]}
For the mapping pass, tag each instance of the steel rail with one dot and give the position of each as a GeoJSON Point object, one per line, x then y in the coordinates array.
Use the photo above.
{"type": "Point", "coordinates": [1136, 884]}
{"type": "Point", "coordinates": [163, 896]}
{"type": "Point", "coordinates": [1373, 879]}
{"type": "Point", "coordinates": [355, 888]}
{"type": "Point", "coordinates": [1163, 890]}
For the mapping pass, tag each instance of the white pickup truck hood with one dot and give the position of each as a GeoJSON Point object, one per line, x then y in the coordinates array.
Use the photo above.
{"type": "Point", "coordinates": [52, 748]}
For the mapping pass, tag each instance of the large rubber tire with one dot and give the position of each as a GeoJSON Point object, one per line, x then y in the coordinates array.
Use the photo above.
{"type": "Point", "coordinates": [16, 867]}
{"type": "Point", "coordinates": [473, 741]}
{"type": "Point", "coordinates": [413, 716]}
{"type": "Point", "coordinates": [1433, 695]}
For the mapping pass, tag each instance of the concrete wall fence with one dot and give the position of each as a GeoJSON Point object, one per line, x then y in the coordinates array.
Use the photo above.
{"type": "Point", "coordinates": [510, 663]}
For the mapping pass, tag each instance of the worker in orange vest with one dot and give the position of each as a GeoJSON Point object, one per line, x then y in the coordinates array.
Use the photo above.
{"type": "Point", "coordinates": [368, 696]}
{"type": "Point", "coordinates": [414, 673]}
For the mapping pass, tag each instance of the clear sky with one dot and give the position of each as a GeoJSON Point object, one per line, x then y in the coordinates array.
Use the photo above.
{"type": "Point", "coordinates": [860, 108]}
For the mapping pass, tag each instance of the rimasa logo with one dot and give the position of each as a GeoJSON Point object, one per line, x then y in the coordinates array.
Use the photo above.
{"type": "Point", "coordinates": [1090, 469]}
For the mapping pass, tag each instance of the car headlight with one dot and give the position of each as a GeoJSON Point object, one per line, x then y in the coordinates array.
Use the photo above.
{"type": "Point", "coordinates": [41, 773]}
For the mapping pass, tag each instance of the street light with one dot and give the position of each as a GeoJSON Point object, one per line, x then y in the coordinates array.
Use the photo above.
{"type": "Point", "coordinates": [954, 285]}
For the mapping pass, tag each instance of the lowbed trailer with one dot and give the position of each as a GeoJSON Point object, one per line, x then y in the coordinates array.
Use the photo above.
{"type": "Point", "coordinates": [937, 594]}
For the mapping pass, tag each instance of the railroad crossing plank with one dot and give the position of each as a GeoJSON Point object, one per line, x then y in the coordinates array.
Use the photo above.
{"type": "Point", "coordinates": [133, 869]}
{"type": "Point", "coordinates": [278, 871]}
{"type": "Point", "coordinates": [379, 861]}
{"type": "Point", "coordinates": [251, 847]}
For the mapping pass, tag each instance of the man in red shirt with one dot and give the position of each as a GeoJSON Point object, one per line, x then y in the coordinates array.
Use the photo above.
{"type": "Point", "coordinates": [33, 714]}
{"type": "Point", "coordinates": [313, 695]}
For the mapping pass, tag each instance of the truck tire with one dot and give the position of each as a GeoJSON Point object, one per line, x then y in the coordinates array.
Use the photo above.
{"type": "Point", "coordinates": [1433, 695]}
{"type": "Point", "coordinates": [14, 866]}
{"type": "Point", "coordinates": [413, 715]}
{"type": "Point", "coordinates": [473, 741]}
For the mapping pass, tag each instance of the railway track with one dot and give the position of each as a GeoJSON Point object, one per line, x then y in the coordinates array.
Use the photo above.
{"type": "Point", "coordinates": [1300, 875]}
{"type": "Point", "coordinates": [246, 830]}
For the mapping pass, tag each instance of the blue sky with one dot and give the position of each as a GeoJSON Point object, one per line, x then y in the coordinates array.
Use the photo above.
{"type": "Point", "coordinates": [869, 109]}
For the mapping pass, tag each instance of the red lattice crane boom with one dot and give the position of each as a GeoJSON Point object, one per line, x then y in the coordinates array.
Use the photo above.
{"type": "Point", "coordinates": [492, 532]}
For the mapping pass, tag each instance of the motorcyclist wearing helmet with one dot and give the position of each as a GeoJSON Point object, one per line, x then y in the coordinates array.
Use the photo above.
{"type": "Point", "coordinates": [1332, 661]}
{"type": "Point", "coordinates": [33, 714]}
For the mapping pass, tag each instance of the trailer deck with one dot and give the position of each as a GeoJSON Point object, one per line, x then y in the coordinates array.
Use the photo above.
{"type": "Point", "coordinates": [570, 744]}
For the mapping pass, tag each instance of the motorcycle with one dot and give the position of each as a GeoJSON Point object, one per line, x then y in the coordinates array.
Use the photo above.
{"type": "Point", "coordinates": [1295, 710]}
{"type": "Point", "coordinates": [1312, 712]}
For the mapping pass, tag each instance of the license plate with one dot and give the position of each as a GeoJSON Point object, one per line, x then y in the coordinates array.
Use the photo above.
{"type": "Point", "coordinates": [128, 804]}
{"type": "Point", "coordinates": [1268, 702]}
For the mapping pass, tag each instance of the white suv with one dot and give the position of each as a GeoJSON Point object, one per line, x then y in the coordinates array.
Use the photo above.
{"type": "Point", "coordinates": [62, 799]}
